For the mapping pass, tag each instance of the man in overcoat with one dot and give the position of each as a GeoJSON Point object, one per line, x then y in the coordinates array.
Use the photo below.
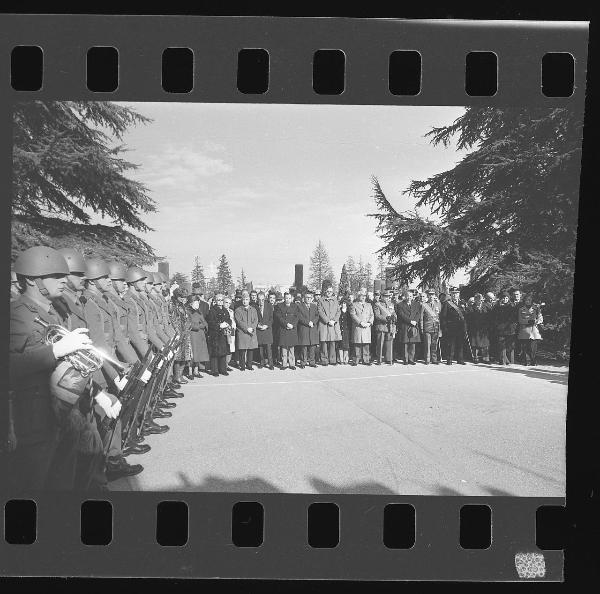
{"type": "Point", "coordinates": [431, 328]}
{"type": "Point", "coordinates": [329, 328]}
{"type": "Point", "coordinates": [452, 323]}
{"type": "Point", "coordinates": [385, 328]}
{"type": "Point", "coordinates": [287, 318]}
{"type": "Point", "coordinates": [361, 313]}
{"type": "Point", "coordinates": [265, 331]}
{"type": "Point", "coordinates": [308, 330]}
{"type": "Point", "coordinates": [246, 319]}
{"type": "Point", "coordinates": [410, 325]}
{"type": "Point", "coordinates": [219, 330]}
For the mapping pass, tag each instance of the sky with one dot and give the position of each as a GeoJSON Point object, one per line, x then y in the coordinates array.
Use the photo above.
{"type": "Point", "coordinates": [263, 184]}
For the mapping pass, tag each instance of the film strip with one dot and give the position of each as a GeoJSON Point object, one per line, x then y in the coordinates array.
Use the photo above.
{"type": "Point", "coordinates": [299, 61]}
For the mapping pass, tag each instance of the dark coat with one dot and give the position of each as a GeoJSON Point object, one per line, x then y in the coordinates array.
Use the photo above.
{"type": "Point", "coordinates": [407, 313]}
{"type": "Point", "coordinates": [265, 336]}
{"type": "Point", "coordinates": [381, 313]}
{"type": "Point", "coordinates": [478, 324]}
{"type": "Point", "coordinates": [345, 328]}
{"type": "Point", "coordinates": [431, 317]}
{"type": "Point", "coordinates": [452, 319]}
{"type": "Point", "coordinates": [218, 343]}
{"type": "Point", "coordinates": [287, 315]}
{"type": "Point", "coordinates": [198, 331]}
{"type": "Point", "coordinates": [308, 336]}
{"type": "Point", "coordinates": [504, 319]}
{"type": "Point", "coordinates": [244, 319]}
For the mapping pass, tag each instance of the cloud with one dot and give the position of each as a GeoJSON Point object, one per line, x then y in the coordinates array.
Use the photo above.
{"type": "Point", "coordinates": [181, 168]}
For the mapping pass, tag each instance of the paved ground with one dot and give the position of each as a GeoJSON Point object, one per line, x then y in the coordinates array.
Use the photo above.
{"type": "Point", "coordinates": [442, 430]}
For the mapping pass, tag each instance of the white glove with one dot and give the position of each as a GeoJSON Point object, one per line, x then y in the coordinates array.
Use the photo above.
{"type": "Point", "coordinates": [413, 322]}
{"type": "Point", "coordinates": [251, 330]}
{"type": "Point", "coordinates": [289, 326]}
{"type": "Point", "coordinates": [311, 324]}
{"type": "Point", "coordinates": [223, 325]}
{"type": "Point", "coordinates": [74, 341]}
{"type": "Point", "coordinates": [331, 322]}
{"type": "Point", "coordinates": [120, 382]}
{"type": "Point", "coordinates": [116, 409]}
{"type": "Point", "coordinates": [105, 403]}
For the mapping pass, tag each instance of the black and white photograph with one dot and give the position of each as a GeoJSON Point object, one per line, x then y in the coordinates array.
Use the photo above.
{"type": "Point", "coordinates": [287, 298]}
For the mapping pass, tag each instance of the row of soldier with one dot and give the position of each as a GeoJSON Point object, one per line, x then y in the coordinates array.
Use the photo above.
{"type": "Point", "coordinates": [92, 346]}
{"type": "Point", "coordinates": [307, 328]}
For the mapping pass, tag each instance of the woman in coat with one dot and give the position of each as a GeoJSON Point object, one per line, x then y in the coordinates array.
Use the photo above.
{"type": "Point", "coordinates": [181, 322]}
{"type": "Point", "coordinates": [219, 331]}
{"type": "Point", "coordinates": [287, 318]}
{"type": "Point", "coordinates": [198, 331]}
{"type": "Point", "coordinates": [308, 330]}
{"type": "Point", "coordinates": [529, 317]}
{"type": "Point", "coordinates": [504, 321]}
{"type": "Point", "coordinates": [477, 316]}
{"type": "Point", "coordinates": [410, 325]}
{"type": "Point", "coordinates": [345, 323]}
{"type": "Point", "coordinates": [246, 321]}
{"type": "Point", "coordinates": [227, 303]}
{"type": "Point", "coordinates": [361, 314]}
{"type": "Point", "coordinates": [265, 331]}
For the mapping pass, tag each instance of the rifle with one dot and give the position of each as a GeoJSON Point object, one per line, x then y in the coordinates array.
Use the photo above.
{"type": "Point", "coordinates": [137, 377]}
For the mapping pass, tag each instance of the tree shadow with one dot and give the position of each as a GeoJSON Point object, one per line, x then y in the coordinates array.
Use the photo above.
{"type": "Point", "coordinates": [499, 492]}
{"type": "Point", "coordinates": [213, 483]}
{"type": "Point", "coordinates": [325, 488]}
{"type": "Point", "coordinates": [553, 376]}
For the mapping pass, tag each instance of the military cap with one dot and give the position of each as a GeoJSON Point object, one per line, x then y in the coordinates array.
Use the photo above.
{"type": "Point", "coordinates": [134, 273]}
{"type": "Point", "coordinates": [41, 261]}
{"type": "Point", "coordinates": [278, 295]}
{"type": "Point", "coordinates": [454, 290]}
{"type": "Point", "coordinates": [75, 260]}
{"type": "Point", "coordinates": [117, 271]}
{"type": "Point", "coordinates": [96, 268]}
{"type": "Point", "coordinates": [431, 291]}
{"type": "Point", "coordinates": [388, 293]}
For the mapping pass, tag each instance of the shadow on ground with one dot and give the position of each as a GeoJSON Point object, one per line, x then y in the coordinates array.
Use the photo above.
{"type": "Point", "coordinates": [558, 376]}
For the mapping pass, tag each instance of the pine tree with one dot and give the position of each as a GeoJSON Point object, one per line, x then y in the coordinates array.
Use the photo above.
{"type": "Point", "coordinates": [212, 286]}
{"type": "Point", "coordinates": [65, 167]}
{"type": "Point", "coordinates": [197, 275]}
{"type": "Point", "coordinates": [224, 279]}
{"type": "Point", "coordinates": [320, 267]}
{"type": "Point", "coordinates": [344, 286]}
{"type": "Point", "coordinates": [381, 266]}
{"type": "Point", "coordinates": [368, 277]}
{"type": "Point", "coordinates": [242, 281]}
{"type": "Point", "coordinates": [507, 212]}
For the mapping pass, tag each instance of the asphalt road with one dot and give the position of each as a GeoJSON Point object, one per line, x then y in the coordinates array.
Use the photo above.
{"type": "Point", "coordinates": [428, 430]}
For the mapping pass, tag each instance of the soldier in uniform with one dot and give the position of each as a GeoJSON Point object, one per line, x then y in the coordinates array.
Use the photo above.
{"type": "Point", "coordinates": [42, 276]}
{"type": "Point", "coordinates": [137, 298]}
{"type": "Point", "coordinates": [14, 286]}
{"type": "Point", "coordinates": [431, 328]}
{"type": "Point", "coordinates": [385, 328]}
{"type": "Point", "coordinates": [105, 334]}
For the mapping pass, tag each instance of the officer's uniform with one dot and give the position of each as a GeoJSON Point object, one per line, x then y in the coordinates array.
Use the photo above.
{"type": "Point", "coordinates": [136, 326]}
{"type": "Point", "coordinates": [121, 316]}
{"type": "Point", "coordinates": [31, 363]}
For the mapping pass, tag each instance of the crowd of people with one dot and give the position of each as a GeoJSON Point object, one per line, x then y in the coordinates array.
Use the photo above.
{"type": "Point", "coordinates": [80, 327]}
{"type": "Point", "coordinates": [299, 329]}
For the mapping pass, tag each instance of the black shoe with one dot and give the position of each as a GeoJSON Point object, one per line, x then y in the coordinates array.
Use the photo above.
{"type": "Point", "coordinates": [175, 385]}
{"type": "Point", "coordinates": [155, 429]}
{"type": "Point", "coordinates": [353, 363]}
{"type": "Point", "coordinates": [461, 362]}
{"type": "Point", "coordinates": [368, 363]}
{"type": "Point", "coordinates": [426, 362]}
{"type": "Point", "coordinates": [282, 368]}
{"type": "Point", "coordinates": [242, 369]}
{"type": "Point", "coordinates": [172, 394]}
{"type": "Point", "coordinates": [161, 414]}
{"type": "Point", "coordinates": [312, 364]}
{"type": "Point", "coordinates": [436, 362]}
{"type": "Point", "coordinates": [136, 449]}
{"type": "Point", "coordinates": [250, 368]}
{"type": "Point", "coordinates": [116, 469]}
{"type": "Point", "coordinates": [292, 368]}
{"type": "Point", "coordinates": [411, 363]}
{"type": "Point", "coordinates": [448, 362]}
{"type": "Point", "coordinates": [301, 365]}
{"type": "Point", "coordinates": [138, 438]}
{"type": "Point", "coordinates": [226, 372]}
{"type": "Point", "coordinates": [164, 404]}
{"type": "Point", "coordinates": [376, 362]}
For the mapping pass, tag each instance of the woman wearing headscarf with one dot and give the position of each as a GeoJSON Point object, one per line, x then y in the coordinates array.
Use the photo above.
{"type": "Point", "coordinates": [219, 331]}
{"type": "Point", "coordinates": [529, 317]}
{"type": "Point", "coordinates": [181, 323]}
{"type": "Point", "coordinates": [198, 336]}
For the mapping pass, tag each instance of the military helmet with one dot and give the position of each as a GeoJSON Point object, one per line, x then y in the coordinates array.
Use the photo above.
{"type": "Point", "coordinates": [134, 273]}
{"type": "Point", "coordinates": [149, 277]}
{"type": "Point", "coordinates": [161, 276]}
{"type": "Point", "coordinates": [96, 268]}
{"type": "Point", "coordinates": [13, 276]}
{"type": "Point", "coordinates": [41, 261]}
{"type": "Point", "coordinates": [117, 270]}
{"type": "Point", "coordinates": [75, 260]}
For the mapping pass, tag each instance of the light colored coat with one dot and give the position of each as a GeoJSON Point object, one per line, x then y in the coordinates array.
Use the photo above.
{"type": "Point", "coordinates": [246, 318]}
{"type": "Point", "coordinates": [329, 309]}
{"type": "Point", "coordinates": [527, 331]}
{"type": "Point", "coordinates": [361, 312]}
